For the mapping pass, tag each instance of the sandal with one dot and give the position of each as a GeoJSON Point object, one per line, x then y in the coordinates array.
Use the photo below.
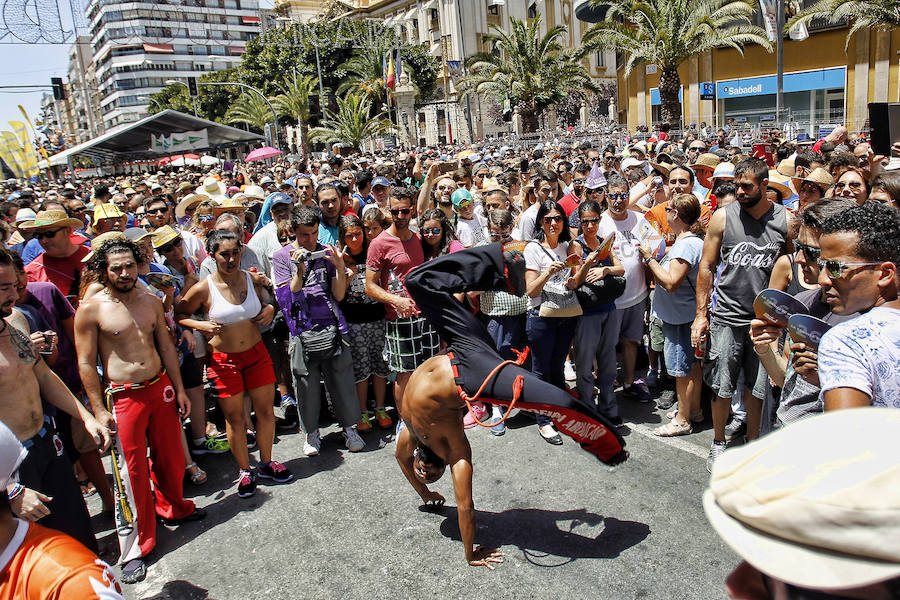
{"type": "Point", "coordinates": [697, 417]}
{"type": "Point", "coordinates": [672, 428]}
{"type": "Point", "coordinates": [198, 475]}
{"type": "Point", "coordinates": [87, 488]}
{"type": "Point", "coordinates": [133, 572]}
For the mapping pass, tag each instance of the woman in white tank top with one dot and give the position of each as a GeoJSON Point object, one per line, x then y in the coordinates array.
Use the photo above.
{"type": "Point", "coordinates": [239, 363]}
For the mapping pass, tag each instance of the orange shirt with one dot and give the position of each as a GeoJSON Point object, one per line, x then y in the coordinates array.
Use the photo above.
{"type": "Point", "coordinates": [656, 216]}
{"type": "Point", "coordinates": [49, 565]}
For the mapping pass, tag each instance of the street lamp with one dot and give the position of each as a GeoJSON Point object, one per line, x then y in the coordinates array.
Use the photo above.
{"type": "Point", "coordinates": [153, 100]}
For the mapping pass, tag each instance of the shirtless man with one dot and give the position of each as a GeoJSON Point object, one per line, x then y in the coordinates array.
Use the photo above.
{"type": "Point", "coordinates": [47, 490]}
{"type": "Point", "coordinates": [432, 402]}
{"type": "Point", "coordinates": [125, 326]}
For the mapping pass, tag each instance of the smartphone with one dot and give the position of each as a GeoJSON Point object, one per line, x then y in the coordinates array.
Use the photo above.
{"type": "Point", "coordinates": [447, 167]}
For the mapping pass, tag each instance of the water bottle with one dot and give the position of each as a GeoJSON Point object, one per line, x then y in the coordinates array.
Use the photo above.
{"type": "Point", "coordinates": [395, 286]}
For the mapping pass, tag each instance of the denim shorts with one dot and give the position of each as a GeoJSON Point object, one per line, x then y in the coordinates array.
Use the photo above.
{"type": "Point", "coordinates": [730, 354]}
{"type": "Point", "coordinates": [677, 349]}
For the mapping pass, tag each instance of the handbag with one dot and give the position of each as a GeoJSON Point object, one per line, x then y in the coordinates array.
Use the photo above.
{"type": "Point", "coordinates": [599, 293]}
{"type": "Point", "coordinates": [321, 343]}
{"type": "Point", "coordinates": [558, 301]}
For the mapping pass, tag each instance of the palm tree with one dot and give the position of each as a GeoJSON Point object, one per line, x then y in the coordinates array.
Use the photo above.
{"type": "Point", "coordinates": [351, 124]}
{"type": "Point", "coordinates": [250, 109]}
{"type": "Point", "coordinates": [533, 71]}
{"type": "Point", "coordinates": [293, 102]}
{"type": "Point", "coordinates": [365, 74]}
{"type": "Point", "coordinates": [669, 32]}
{"type": "Point", "coordinates": [864, 14]}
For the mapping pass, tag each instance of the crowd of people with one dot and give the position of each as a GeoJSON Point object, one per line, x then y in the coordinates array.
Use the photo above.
{"type": "Point", "coordinates": [162, 300]}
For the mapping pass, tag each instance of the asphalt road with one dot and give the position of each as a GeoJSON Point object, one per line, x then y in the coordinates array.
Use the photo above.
{"type": "Point", "coordinates": [349, 526]}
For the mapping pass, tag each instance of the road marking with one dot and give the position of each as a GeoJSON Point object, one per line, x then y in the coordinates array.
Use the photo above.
{"type": "Point", "coordinates": [675, 442]}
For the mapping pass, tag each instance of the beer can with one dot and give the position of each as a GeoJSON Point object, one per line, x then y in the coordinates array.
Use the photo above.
{"type": "Point", "coordinates": [702, 347]}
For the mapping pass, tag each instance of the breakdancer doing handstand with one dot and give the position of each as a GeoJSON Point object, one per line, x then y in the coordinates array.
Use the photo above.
{"type": "Point", "coordinates": [435, 400]}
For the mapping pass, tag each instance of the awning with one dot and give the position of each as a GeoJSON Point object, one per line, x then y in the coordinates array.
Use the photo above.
{"type": "Point", "coordinates": [164, 48]}
{"type": "Point", "coordinates": [429, 5]}
{"type": "Point", "coordinates": [249, 19]}
{"type": "Point", "coordinates": [236, 49]}
{"type": "Point", "coordinates": [130, 63]}
{"type": "Point", "coordinates": [133, 141]}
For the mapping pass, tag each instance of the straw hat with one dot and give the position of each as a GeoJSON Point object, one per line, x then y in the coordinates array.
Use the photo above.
{"type": "Point", "coordinates": [707, 160]}
{"type": "Point", "coordinates": [164, 235]}
{"type": "Point", "coordinates": [779, 182]}
{"type": "Point", "coordinates": [52, 218]}
{"type": "Point", "coordinates": [213, 188]}
{"type": "Point", "coordinates": [662, 167]}
{"type": "Point", "coordinates": [230, 205]}
{"type": "Point", "coordinates": [102, 239]}
{"type": "Point", "coordinates": [107, 211]}
{"type": "Point", "coordinates": [255, 191]}
{"type": "Point", "coordinates": [187, 202]}
{"type": "Point", "coordinates": [819, 176]}
{"type": "Point", "coordinates": [786, 167]}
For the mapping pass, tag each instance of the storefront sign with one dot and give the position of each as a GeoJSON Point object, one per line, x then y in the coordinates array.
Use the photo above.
{"type": "Point", "coordinates": [793, 82]}
{"type": "Point", "coordinates": [707, 90]}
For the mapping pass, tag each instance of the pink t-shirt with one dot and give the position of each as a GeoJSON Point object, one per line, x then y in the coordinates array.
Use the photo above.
{"type": "Point", "coordinates": [394, 258]}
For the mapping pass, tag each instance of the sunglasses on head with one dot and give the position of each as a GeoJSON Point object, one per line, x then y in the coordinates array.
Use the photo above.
{"type": "Point", "coordinates": [41, 235]}
{"type": "Point", "coordinates": [835, 268]}
{"type": "Point", "coordinates": [166, 248]}
{"type": "Point", "coordinates": [400, 211]}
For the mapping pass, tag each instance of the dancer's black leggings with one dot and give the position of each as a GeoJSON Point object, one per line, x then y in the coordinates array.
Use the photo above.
{"type": "Point", "coordinates": [472, 351]}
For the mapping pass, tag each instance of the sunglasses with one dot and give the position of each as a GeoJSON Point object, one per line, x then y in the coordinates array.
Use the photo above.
{"type": "Point", "coordinates": [157, 211]}
{"type": "Point", "coordinates": [206, 217]}
{"type": "Point", "coordinates": [835, 268]}
{"type": "Point", "coordinates": [400, 211]}
{"type": "Point", "coordinates": [40, 235]}
{"type": "Point", "coordinates": [590, 221]}
{"type": "Point", "coordinates": [165, 249]}
{"type": "Point", "coordinates": [579, 181]}
{"type": "Point", "coordinates": [552, 219]}
{"type": "Point", "coordinates": [811, 252]}
{"type": "Point", "coordinates": [283, 240]}
{"type": "Point", "coordinates": [618, 195]}
{"type": "Point", "coordinates": [853, 185]}
{"type": "Point", "coordinates": [501, 236]}
{"type": "Point", "coordinates": [432, 231]}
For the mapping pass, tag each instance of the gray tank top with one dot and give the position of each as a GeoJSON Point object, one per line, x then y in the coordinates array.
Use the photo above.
{"type": "Point", "coordinates": [749, 250]}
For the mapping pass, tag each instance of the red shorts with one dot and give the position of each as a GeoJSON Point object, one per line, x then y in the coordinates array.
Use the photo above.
{"type": "Point", "coordinates": [234, 372]}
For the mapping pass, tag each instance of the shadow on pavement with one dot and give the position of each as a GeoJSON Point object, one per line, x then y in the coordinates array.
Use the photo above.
{"type": "Point", "coordinates": [542, 538]}
{"type": "Point", "coordinates": [180, 590]}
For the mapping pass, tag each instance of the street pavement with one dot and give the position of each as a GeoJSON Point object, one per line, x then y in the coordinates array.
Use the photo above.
{"type": "Point", "coordinates": [350, 526]}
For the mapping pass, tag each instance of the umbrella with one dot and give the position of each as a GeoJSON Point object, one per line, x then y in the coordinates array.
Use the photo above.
{"type": "Point", "coordinates": [176, 157]}
{"type": "Point", "coordinates": [263, 153]}
{"type": "Point", "coordinates": [185, 162]}
{"type": "Point", "coordinates": [209, 160]}
{"type": "Point", "coordinates": [465, 153]}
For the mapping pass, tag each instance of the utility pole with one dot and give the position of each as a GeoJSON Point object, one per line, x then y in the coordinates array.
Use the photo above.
{"type": "Point", "coordinates": [779, 50]}
{"type": "Point", "coordinates": [462, 62]}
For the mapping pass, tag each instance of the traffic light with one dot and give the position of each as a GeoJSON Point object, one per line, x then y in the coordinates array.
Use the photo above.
{"type": "Point", "coordinates": [59, 92]}
{"type": "Point", "coordinates": [192, 87]}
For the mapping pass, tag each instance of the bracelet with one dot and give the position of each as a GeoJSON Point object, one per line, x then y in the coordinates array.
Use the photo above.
{"type": "Point", "coordinates": [16, 492]}
{"type": "Point", "coordinates": [647, 260]}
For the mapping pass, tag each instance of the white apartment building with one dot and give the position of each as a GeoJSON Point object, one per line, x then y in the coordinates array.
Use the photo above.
{"type": "Point", "coordinates": [83, 95]}
{"type": "Point", "coordinates": [140, 45]}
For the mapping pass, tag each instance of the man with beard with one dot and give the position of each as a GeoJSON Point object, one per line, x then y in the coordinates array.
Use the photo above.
{"type": "Point", "coordinates": [125, 326]}
{"type": "Point", "coordinates": [748, 235]}
{"type": "Point", "coordinates": [47, 490]}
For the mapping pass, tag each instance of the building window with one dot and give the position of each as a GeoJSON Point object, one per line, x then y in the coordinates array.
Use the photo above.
{"type": "Point", "coordinates": [601, 63]}
{"type": "Point", "coordinates": [494, 9]}
{"type": "Point", "coordinates": [532, 10]}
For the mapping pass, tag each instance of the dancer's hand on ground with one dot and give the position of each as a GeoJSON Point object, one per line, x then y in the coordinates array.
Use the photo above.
{"type": "Point", "coordinates": [486, 557]}
{"type": "Point", "coordinates": [433, 499]}
{"type": "Point", "coordinates": [29, 505]}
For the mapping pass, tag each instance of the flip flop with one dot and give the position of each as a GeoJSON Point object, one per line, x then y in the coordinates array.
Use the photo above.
{"type": "Point", "coordinates": [133, 572]}
{"type": "Point", "coordinates": [198, 477]}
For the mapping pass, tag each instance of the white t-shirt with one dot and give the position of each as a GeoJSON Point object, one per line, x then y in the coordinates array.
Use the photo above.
{"type": "Point", "coordinates": [538, 258]}
{"type": "Point", "coordinates": [626, 248]}
{"type": "Point", "coordinates": [472, 232]}
{"type": "Point", "coordinates": [864, 354]}
{"type": "Point", "coordinates": [525, 227]}
{"type": "Point", "coordinates": [644, 199]}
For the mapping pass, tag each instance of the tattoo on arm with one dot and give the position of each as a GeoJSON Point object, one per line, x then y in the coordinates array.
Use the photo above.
{"type": "Point", "coordinates": [23, 346]}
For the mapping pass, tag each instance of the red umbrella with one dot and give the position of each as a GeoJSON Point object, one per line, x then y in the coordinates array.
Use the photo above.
{"type": "Point", "coordinates": [263, 153]}
{"type": "Point", "coordinates": [167, 159]}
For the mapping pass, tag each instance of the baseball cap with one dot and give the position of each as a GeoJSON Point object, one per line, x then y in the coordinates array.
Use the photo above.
{"type": "Point", "coordinates": [136, 234]}
{"type": "Point", "coordinates": [461, 198]}
{"type": "Point", "coordinates": [814, 504]}
{"type": "Point", "coordinates": [279, 198]}
{"type": "Point", "coordinates": [383, 181]}
{"type": "Point", "coordinates": [631, 162]}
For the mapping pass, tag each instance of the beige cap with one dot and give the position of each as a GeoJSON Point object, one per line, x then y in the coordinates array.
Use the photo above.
{"type": "Point", "coordinates": [817, 503]}
{"type": "Point", "coordinates": [102, 239]}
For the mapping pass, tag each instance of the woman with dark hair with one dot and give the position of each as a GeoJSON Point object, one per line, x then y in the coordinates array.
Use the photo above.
{"type": "Point", "coordinates": [674, 303]}
{"type": "Point", "coordinates": [853, 185]}
{"type": "Point", "coordinates": [239, 364]}
{"type": "Point", "coordinates": [554, 309]}
{"type": "Point", "coordinates": [365, 319]}
{"type": "Point", "coordinates": [438, 237]}
{"type": "Point", "coordinates": [886, 188]}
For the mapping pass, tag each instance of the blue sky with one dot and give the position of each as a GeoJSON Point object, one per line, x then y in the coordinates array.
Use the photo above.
{"type": "Point", "coordinates": [27, 64]}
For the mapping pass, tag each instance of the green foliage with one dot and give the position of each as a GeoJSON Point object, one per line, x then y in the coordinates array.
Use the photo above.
{"type": "Point", "coordinates": [351, 124]}
{"type": "Point", "coordinates": [669, 32]}
{"type": "Point", "coordinates": [249, 109]}
{"type": "Point", "coordinates": [293, 103]}
{"type": "Point", "coordinates": [212, 100]}
{"type": "Point", "coordinates": [534, 71]}
{"type": "Point", "coordinates": [862, 14]}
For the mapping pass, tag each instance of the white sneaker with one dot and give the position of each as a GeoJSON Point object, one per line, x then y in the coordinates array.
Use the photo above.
{"type": "Point", "coordinates": [313, 444]}
{"type": "Point", "coordinates": [569, 370]}
{"type": "Point", "coordinates": [354, 442]}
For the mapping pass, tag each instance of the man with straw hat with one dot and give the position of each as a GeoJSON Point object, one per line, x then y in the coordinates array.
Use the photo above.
{"type": "Point", "coordinates": [60, 263]}
{"type": "Point", "coordinates": [213, 188]}
{"type": "Point", "coordinates": [184, 210]}
{"type": "Point", "coordinates": [703, 168]}
{"type": "Point", "coordinates": [107, 217]}
{"type": "Point", "coordinates": [812, 187]}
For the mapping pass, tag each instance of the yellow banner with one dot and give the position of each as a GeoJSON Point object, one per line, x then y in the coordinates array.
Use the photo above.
{"type": "Point", "coordinates": [31, 157]}
{"type": "Point", "coordinates": [34, 134]}
{"type": "Point", "coordinates": [18, 155]}
{"type": "Point", "coordinates": [7, 155]}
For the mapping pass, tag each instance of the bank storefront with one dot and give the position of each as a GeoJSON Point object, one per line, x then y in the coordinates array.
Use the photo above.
{"type": "Point", "coordinates": [811, 99]}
